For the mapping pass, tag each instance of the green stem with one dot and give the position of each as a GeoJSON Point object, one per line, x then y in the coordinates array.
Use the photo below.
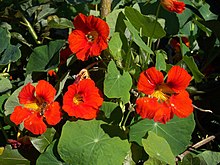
{"type": "Point", "coordinates": [30, 28]}
{"type": "Point", "coordinates": [154, 28]}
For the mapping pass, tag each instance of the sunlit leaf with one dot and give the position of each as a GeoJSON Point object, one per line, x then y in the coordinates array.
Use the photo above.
{"type": "Point", "coordinates": [117, 85]}
{"type": "Point", "coordinates": [146, 24]}
{"type": "Point", "coordinates": [198, 76]}
{"type": "Point", "coordinates": [41, 142]}
{"type": "Point", "coordinates": [85, 142]}
{"type": "Point", "coordinates": [59, 23]}
{"type": "Point", "coordinates": [137, 39]}
{"type": "Point", "coordinates": [177, 132]}
{"type": "Point", "coordinates": [210, 157]}
{"type": "Point", "coordinates": [12, 156]}
{"type": "Point", "coordinates": [5, 84]}
{"type": "Point", "coordinates": [161, 57]}
{"type": "Point", "coordinates": [157, 147]}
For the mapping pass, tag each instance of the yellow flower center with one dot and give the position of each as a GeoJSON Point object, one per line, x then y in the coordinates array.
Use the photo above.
{"type": "Point", "coordinates": [91, 36]}
{"type": "Point", "coordinates": [162, 92]}
{"type": "Point", "coordinates": [39, 105]}
{"type": "Point", "coordinates": [77, 99]}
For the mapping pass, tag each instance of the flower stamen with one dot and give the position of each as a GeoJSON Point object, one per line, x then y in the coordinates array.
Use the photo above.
{"type": "Point", "coordinates": [77, 99]}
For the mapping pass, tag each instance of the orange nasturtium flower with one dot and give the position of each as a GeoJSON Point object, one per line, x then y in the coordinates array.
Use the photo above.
{"type": "Point", "coordinates": [37, 104]}
{"type": "Point", "coordinates": [82, 99]}
{"type": "Point", "coordinates": [89, 37]}
{"type": "Point", "coordinates": [163, 100]}
{"type": "Point", "coordinates": [173, 5]}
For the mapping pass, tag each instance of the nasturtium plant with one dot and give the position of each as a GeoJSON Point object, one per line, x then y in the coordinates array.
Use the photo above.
{"type": "Point", "coordinates": [109, 82]}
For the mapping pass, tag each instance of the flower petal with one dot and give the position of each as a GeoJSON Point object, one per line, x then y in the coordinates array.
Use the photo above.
{"type": "Point", "coordinates": [163, 113]}
{"type": "Point", "coordinates": [178, 78]}
{"type": "Point", "coordinates": [35, 124]}
{"type": "Point", "coordinates": [149, 79]}
{"type": "Point", "coordinates": [45, 90]}
{"type": "Point", "coordinates": [26, 94]}
{"type": "Point", "coordinates": [53, 113]}
{"type": "Point", "coordinates": [80, 23]}
{"type": "Point", "coordinates": [181, 104]}
{"type": "Point", "coordinates": [173, 5]}
{"type": "Point", "coordinates": [20, 114]}
{"type": "Point", "coordinates": [147, 107]}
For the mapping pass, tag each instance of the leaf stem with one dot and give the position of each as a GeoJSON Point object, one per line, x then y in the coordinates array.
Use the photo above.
{"type": "Point", "coordinates": [30, 28]}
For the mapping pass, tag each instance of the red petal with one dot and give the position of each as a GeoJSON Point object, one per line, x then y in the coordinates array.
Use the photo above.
{"type": "Point", "coordinates": [178, 78]}
{"type": "Point", "coordinates": [99, 25]}
{"type": "Point", "coordinates": [20, 114]}
{"type": "Point", "coordinates": [35, 124]}
{"type": "Point", "coordinates": [53, 114]}
{"type": "Point", "coordinates": [26, 94]}
{"type": "Point", "coordinates": [149, 79]}
{"type": "Point", "coordinates": [46, 91]}
{"type": "Point", "coordinates": [181, 104]}
{"type": "Point", "coordinates": [178, 7]}
{"type": "Point", "coordinates": [80, 23]}
{"type": "Point", "coordinates": [163, 113]}
{"type": "Point", "coordinates": [147, 107]}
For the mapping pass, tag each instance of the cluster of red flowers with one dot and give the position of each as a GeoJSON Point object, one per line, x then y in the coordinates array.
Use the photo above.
{"type": "Point", "coordinates": [83, 99]}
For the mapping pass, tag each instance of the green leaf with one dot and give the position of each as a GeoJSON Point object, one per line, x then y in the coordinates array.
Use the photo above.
{"type": "Point", "coordinates": [4, 39]}
{"type": "Point", "coordinates": [177, 132]}
{"type": "Point", "coordinates": [190, 160]}
{"type": "Point", "coordinates": [154, 161]}
{"type": "Point", "coordinates": [108, 108]}
{"type": "Point", "coordinates": [206, 13]}
{"type": "Point", "coordinates": [12, 156]}
{"type": "Point", "coordinates": [198, 76]}
{"type": "Point", "coordinates": [41, 142]}
{"type": "Point", "coordinates": [117, 85]}
{"type": "Point", "coordinates": [49, 157]}
{"type": "Point", "coordinates": [111, 20]}
{"type": "Point", "coordinates": [137, 39]}
{"type": "Point", "coordinates": [5, 84]}
{"type": "Point", "coordinates": [157, 147]}
{"type": "Point", "coordinates": [12, 101]}
{"type": "Point", "coordinates": [60, 85]}
{"type": "Point", "coordinates": [161, 57]}
{"type": "Point", "coordinates": [147, 24]}
{"type": "Point", "coordinates": [45, 57]}
{"type": "Point", "coordinates": [11, 54]}
{"type": "Point", "coordinates": [115, 47]}
{"type": "Point", "coordinates": [203, 28]}
{"type": "Point", "coordinates": [84, 142]}
{"type": "Point", "coordinates": [60, 23]}
{"type": "Point", "coordinates": [210, 157]}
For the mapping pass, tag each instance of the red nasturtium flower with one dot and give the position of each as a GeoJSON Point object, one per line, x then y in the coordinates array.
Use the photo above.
{"type": "Point", "coordinates": [37, 103]}
{"type": "Point", "coordinates": [82, 99]}
{"type": "Point", "coordinates": [89, 37]}
{"type": "Point", "coordinates": [163, 100]}
{"type": "Point", "coordinates": [173, 5]}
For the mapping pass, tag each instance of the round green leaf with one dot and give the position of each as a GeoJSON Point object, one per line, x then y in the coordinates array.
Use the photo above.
{"type": "Point", "coordinates": [210, 157]}
{"type": "Point", "coordinates": [85, 142]}
{"type": "Point", "coordinates": [12, 156]}
{"type": "Point", "coordinates": [4, 39]}
{"type": "Point", "coordinates": [117, 85]}
{"type": "Point", "coordinates": [45, 57]}
{"type": "Point", "coordinates": [5, 84]}
{"type": "Point", "coordinates": [60, 23]}
{"type": "Point", "coordinates": [157, 147]}
{"type": "Point", "coordinates": [11, 54]}
{"type": "Point", "coordinates": [177, 132]}
{"type": "Point", "coordinates": [12, 101]}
